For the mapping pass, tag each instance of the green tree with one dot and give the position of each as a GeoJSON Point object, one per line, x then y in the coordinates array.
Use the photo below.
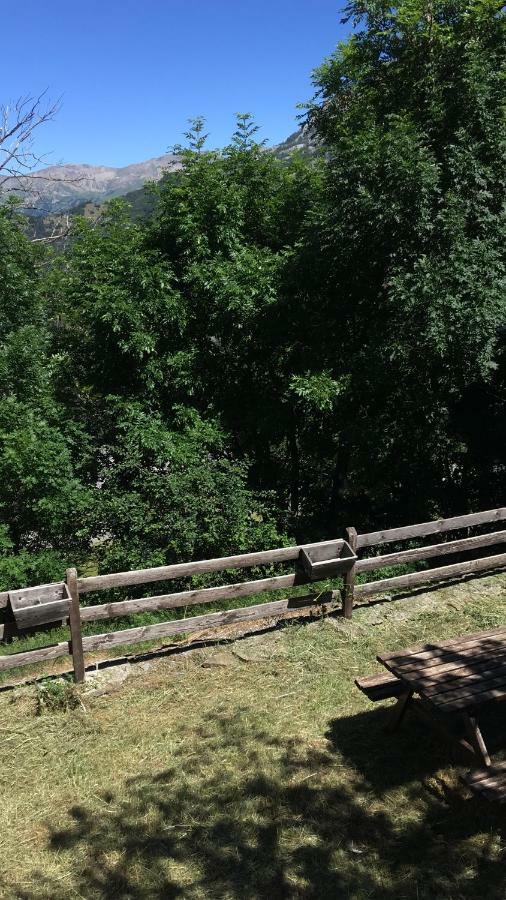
{"type": "Point", "coordinates": [228, 229]}
{"type": "Point", "coordinates": [170, 494]}
{"type": "Point", "coordinates": [40, 492]}
{"type": "Point", "coordinates": [23, 327]}
{"type": "Point", "coordinates": [165, 483]}
{"type": "Point", "coordinates": [407, 249]}
{"type": "Point", "coordinates": [119, 313]}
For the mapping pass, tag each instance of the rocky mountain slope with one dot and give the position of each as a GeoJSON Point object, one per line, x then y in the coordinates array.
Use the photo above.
{"type": "Point", "coordinates": [60, 188]}
{"type": "Point", "coordinates": [303, 141]}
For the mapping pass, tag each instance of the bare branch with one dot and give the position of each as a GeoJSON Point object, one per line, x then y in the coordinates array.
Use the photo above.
{"type": "Point", "coordinates": [61, 230]}
{"type": "Point", "coordinates": [20, 163]}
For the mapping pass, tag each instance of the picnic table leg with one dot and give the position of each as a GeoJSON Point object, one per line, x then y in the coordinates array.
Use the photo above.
{"type": "Point", "coordinates": [476, 739]}
{"type": "Point", "coordinates": [399, 710]}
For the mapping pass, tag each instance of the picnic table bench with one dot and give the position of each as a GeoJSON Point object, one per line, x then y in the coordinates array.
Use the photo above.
{"type": "Point", "coordinates": [452, 680]}
{"type": "Point", "coordinates": [489, 783]}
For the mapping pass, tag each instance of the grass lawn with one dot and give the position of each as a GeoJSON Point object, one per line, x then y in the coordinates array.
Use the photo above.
{"type": "Point", "coordinates": [265, 776]}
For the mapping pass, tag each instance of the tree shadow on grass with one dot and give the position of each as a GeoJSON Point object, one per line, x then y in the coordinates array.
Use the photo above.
{"type": "Point", "coordinates": [455, 831]}
{"type": "Point", "coordinates": [244, 814]}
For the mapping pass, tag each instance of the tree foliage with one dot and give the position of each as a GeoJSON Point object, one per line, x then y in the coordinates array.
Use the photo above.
{"type": "Point", "coordinates": [412, 236]}
{"type": "Point", "coordinates": [284, 346]}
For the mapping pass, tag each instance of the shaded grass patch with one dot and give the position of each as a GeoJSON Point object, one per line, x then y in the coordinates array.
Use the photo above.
{"type": "Point", "coordinates": [271, 777]}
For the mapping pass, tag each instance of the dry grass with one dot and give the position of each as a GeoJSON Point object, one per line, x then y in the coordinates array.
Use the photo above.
{"type": "Point", "coordinates": [267, 777]}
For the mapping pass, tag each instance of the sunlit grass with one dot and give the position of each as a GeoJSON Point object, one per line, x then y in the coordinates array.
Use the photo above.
{"type": "Point", "coordinates": [268, 777]}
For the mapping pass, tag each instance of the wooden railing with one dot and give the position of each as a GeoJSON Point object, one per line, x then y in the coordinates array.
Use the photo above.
{"type": "Point", "coordinates": [351, 592]}
{"type": "Point", "coordinates": [403, 557]}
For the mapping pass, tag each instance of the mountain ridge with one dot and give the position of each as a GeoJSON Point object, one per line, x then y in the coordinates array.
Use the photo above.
{"type": "Point", "coordinates": [57, 189]}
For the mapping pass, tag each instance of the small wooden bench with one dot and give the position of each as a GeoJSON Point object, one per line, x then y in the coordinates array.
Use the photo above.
{"type": "Point", "coordinates": [489, 783]}
{"type": "Point", "coordinates": [380, 687]}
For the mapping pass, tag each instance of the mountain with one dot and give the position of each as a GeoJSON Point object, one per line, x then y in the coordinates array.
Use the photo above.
{"type": "Point", "coordinates": [60, 188]}
{"type": "Point", "coordinates": [303, 141]}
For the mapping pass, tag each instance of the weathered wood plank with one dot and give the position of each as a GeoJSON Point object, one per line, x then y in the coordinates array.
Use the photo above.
{"type": "Point", "coordinates": [406, 556]}
{"type": "Point", "coordinates": [76, 644]}
{"type": "Point", "coordinates": [486, 775]}
{"type": "Point", "coordinates": [181, 570]}
{"type": "Point", "coordinates": [20, 598]}
{"type": "Point", "coordinates": [465, 679]}
{"type": "Point", "coordinates": [380, 687]}
{"type": "Point", "coordinates": [497, 695]}
{"type": "Point", "coordinates": [191, 598]}
{"type": "Point", "coordinates": [460, 668]}
{"type": "Point", "coordinates": [434, 653]}
{"type": "Point", "coordinates": [350, 576]}
{"type": "Point", "coordinates": [430, 575]}
{"type": "Point", "coordinates": [433, 667]}
{"type": "Point", "coordinates": [320, 564]}
{"type": "Point", "coordinates": [442, 646]}
{"type": "Point", "coordinates": [195, 623]}
{"type": "Point", "coordinates": [46, 613]}
{"type": "Point", "coordinates": [13, 660]}
{"type": "Point", "coordinates": [436, 527]}
{"type": "Point", "coordinates": [472, 695]}
{"type": "Point", "coordinates": [489, 781]}
{"type": "Point", "coordinates": [479, 674]}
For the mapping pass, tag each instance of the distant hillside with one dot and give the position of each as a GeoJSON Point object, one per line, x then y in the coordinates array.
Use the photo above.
{"type": "Point", "coordinates": [141, 202]}
{"type": "Point", "coordinates": [61, 188]}
{"type": "Point", "coordinates": [302, 140]}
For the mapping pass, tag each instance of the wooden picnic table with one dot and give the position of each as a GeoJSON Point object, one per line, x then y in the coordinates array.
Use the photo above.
{"type": "Point", "coordinates": [453, 678]}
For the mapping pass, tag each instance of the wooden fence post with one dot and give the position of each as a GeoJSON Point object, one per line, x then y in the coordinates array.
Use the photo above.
{"type": "Point", "coordinates": [349, 578]}
{"type": "Point", "coordinates": [76, 644]}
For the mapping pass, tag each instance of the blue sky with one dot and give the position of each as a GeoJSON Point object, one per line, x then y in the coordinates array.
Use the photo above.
{"type": "Point", "coordinates": [132, 73]}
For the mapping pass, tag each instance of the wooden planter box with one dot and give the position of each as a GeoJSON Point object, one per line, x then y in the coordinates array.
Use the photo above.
{"type": "Point", "coordinates": [326, 562]}
{"type": "Point", "coordinates": [40, 605]}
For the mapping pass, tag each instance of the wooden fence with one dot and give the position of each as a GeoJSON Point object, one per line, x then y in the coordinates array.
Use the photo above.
{"type": "Point", "coordinates": [351, 592]}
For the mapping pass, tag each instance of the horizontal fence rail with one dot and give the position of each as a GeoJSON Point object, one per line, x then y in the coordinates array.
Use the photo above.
{"type": "Point", "coordinates": [74, 587]}
{"type": "Point", "coordinates": [405, 557]}
{"type": "Point", "coordinates": [205, 566]}
{"type": "Point", "coordinates": [196, 623]}
{"type": "Point", "coordinates": [13, 660]}
{"type": "Point", "coordinates": [190, 598]}
{"type": "Point", "coordinates": [416, 578]}
{"type": "Point", "coordinates": [373, 563]}
{"type": "Point", "coordinates": [436, 527]}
